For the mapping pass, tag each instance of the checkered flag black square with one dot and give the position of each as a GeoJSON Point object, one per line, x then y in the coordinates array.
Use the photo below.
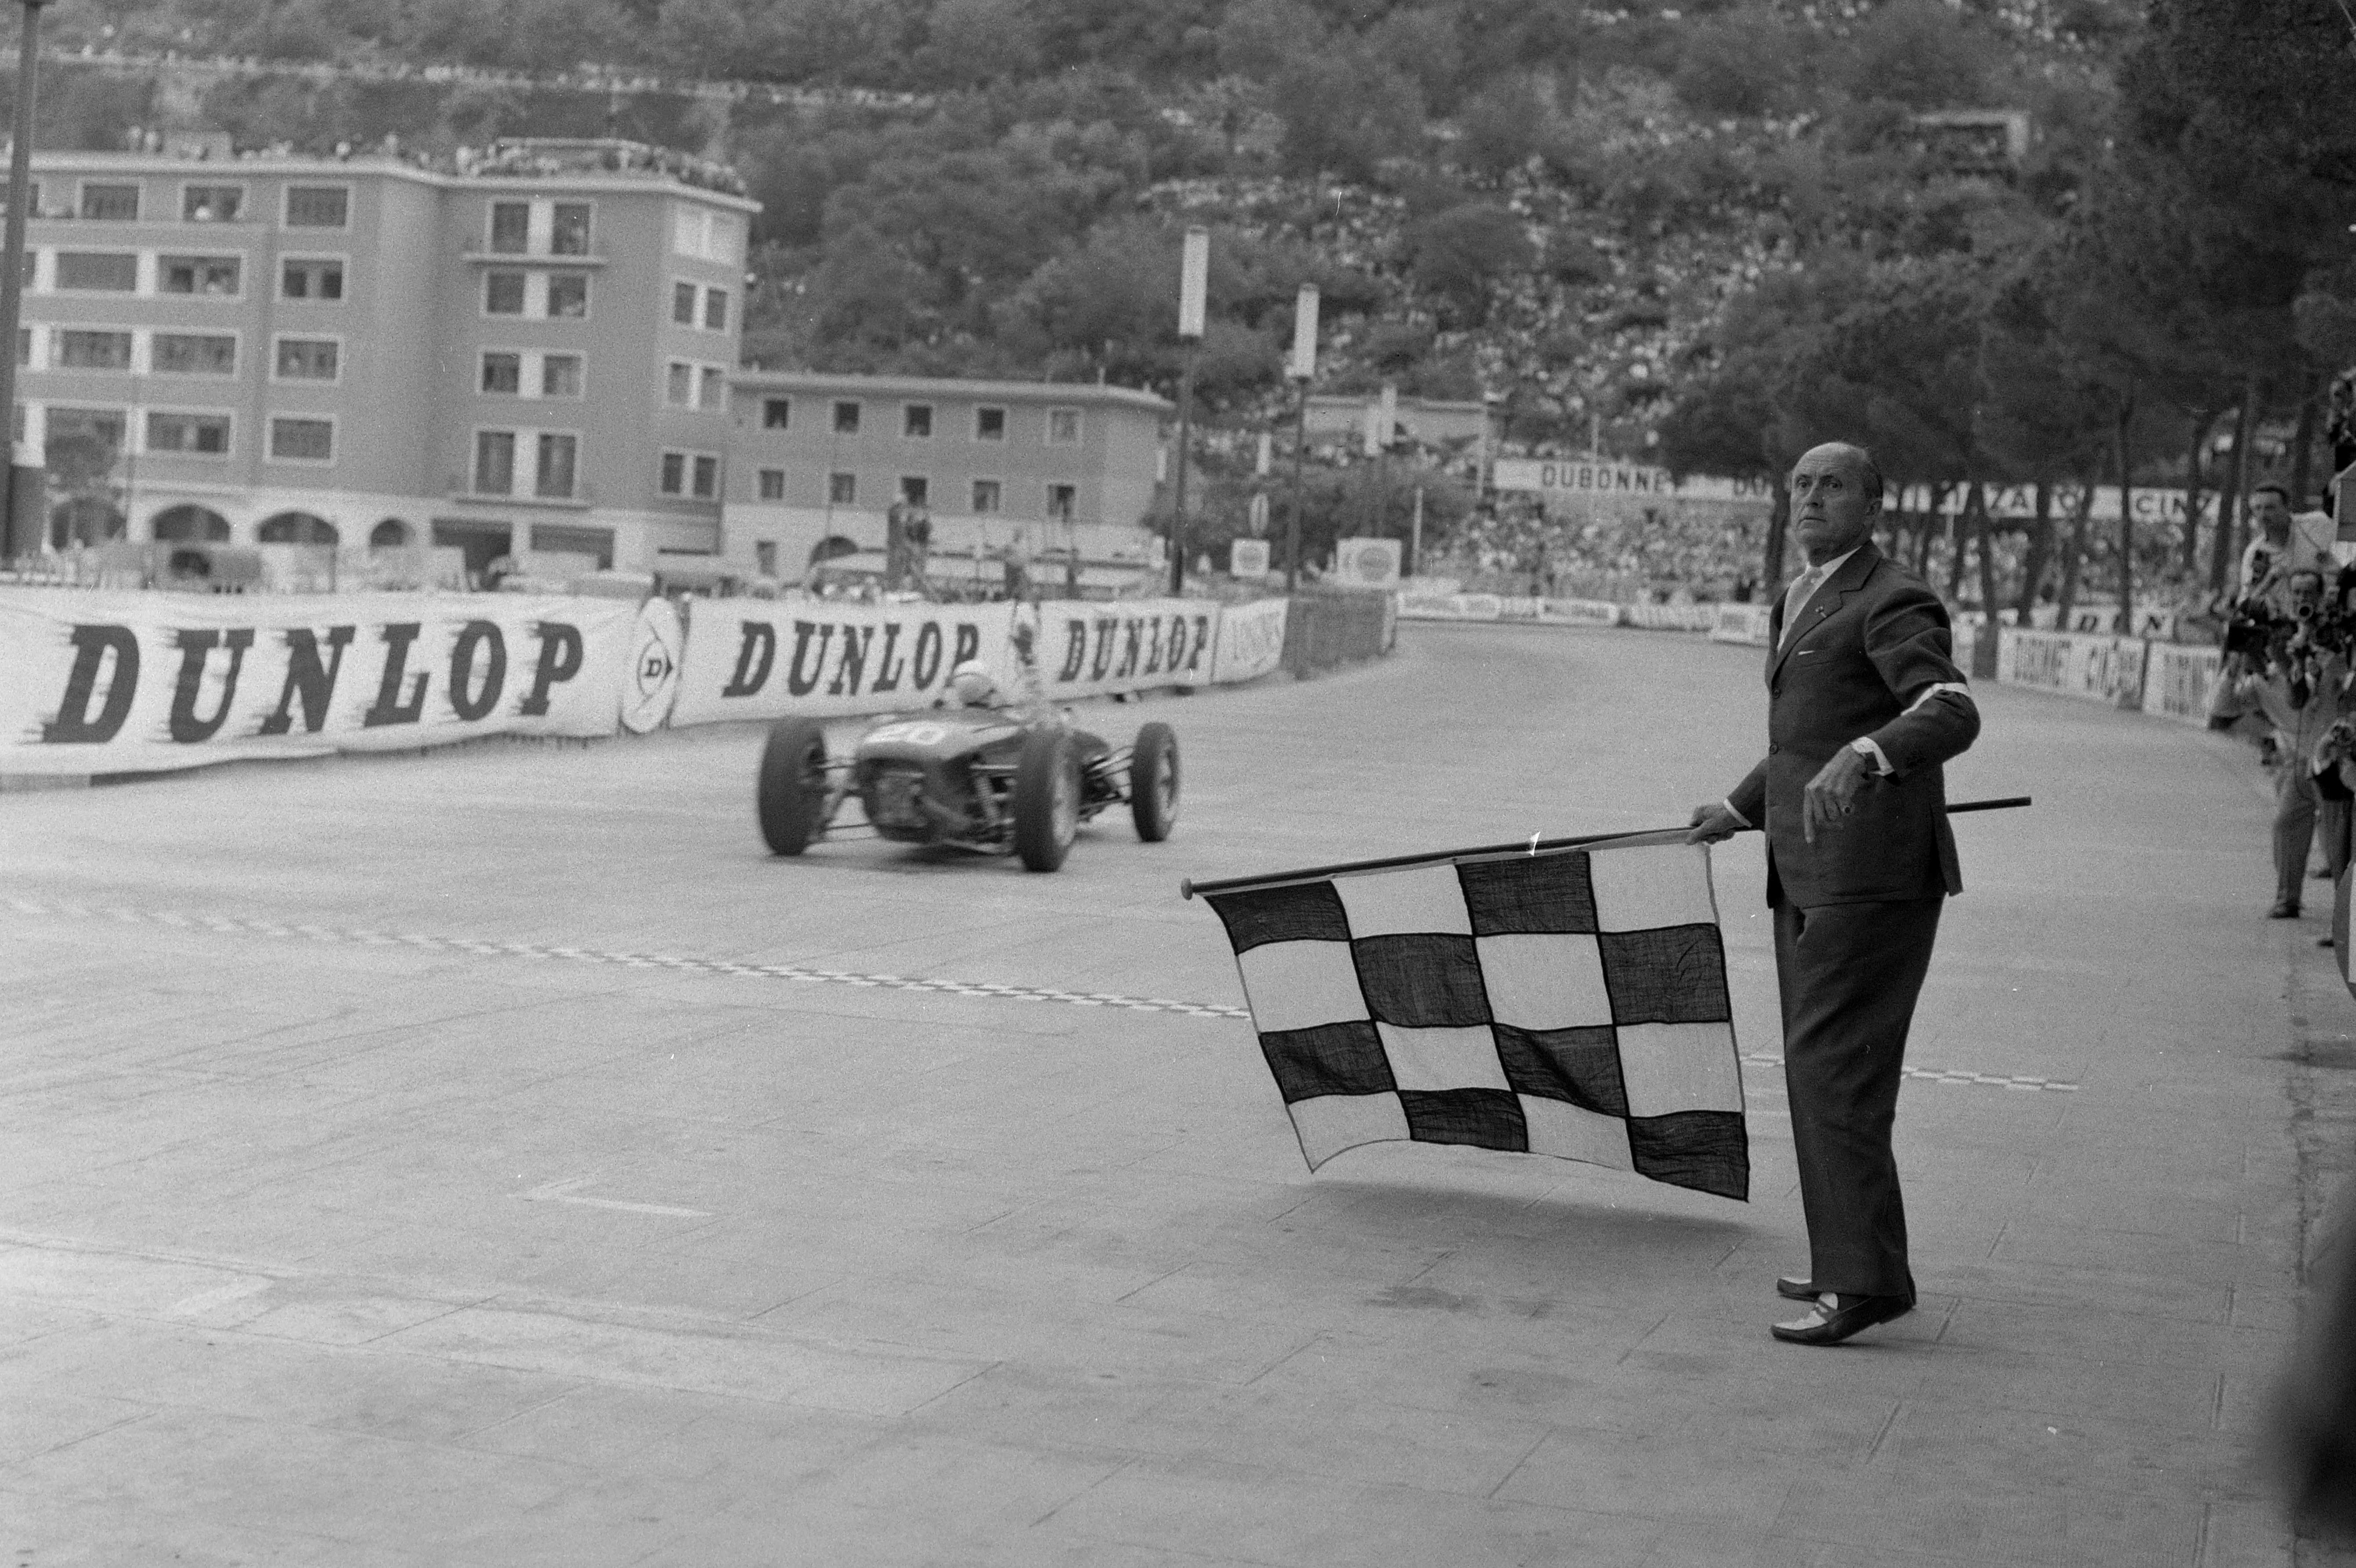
{"type": "Point", "coordinates": [1572, 1003]}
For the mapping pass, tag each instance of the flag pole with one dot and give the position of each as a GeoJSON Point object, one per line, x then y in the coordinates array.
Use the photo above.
{"type": "Point", "coordinates": [1188, 887]}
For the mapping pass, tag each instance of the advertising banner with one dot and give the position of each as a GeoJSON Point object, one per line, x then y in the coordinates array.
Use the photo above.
{"type": "Point", "coordinates": [1125, 645]}
{"type": "Point", "coordinates": [1741, 623]}
{"type": "Point", "coordinates": [135, 682]}
{"type": "Point", "coordinates": [2180, 683]}
{"type": "Point", "coordinates": [2100, 669]}
{"type": "Point", "coordinates": [1583, 612]}
{"type": "Point", "coordinates": [657, 645]}
{"type": "Point", "coordinates": [1249, 642]}
{"type": "Point", "coordinates": [765, 658]}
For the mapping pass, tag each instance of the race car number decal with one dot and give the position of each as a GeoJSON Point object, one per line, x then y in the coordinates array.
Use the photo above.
{"type": "Point", "coordinates": [914, 734]}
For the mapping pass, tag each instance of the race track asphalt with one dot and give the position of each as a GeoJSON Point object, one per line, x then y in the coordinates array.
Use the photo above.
{"type": "Point", "coordinates": [419, 1161]}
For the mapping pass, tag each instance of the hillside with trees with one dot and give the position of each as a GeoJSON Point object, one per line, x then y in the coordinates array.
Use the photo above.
{"type": "Point", "coordinates": [2006, 241]}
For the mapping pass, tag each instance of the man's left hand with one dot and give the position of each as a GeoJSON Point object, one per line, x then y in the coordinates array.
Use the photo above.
{"type": "Point", "coordinates": [1831, 795]}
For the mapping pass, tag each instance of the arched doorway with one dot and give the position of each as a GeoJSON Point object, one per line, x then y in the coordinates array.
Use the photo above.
{"type": "Point", "coordinates": [296, 527]}
{"type": "Point", "coordinates": [84, 519]}
{"type": "Point", "coordinates": [391, 534]}
{"type": "Point", "coordinates": [829, 547]}
{"type": "Point", "coordinates": [190, 524]}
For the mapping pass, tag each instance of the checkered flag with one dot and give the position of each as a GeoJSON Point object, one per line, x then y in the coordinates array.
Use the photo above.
{"type": "Point", "coordinates": [1567, 1002]}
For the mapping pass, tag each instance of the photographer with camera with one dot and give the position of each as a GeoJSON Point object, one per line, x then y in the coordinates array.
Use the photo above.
{"type": "Point", "coordinates": [2282, 544]}
{"type": "Point", "coordinates": [2293, 668]}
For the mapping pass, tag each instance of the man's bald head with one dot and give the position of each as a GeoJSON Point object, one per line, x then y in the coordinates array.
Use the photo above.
{"type": "Point", "coordinates": [1836, 499]}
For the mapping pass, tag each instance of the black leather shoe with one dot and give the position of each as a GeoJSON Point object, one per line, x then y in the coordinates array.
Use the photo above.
{"type": "Point", "coordinates": [1844, 1317]}
{"type": "Point", "coordinates": [2284, 910]}
{"type": "Point", "coordinates": [1792, 1288]}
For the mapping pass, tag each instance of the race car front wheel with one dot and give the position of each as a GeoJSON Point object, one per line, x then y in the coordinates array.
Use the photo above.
{"type": "Point", "coordinates": [790, 798]}
{"type": "Point", "coordinates": [1046, 799]}
{"type": "Point", "coordinates": [1153, 782]}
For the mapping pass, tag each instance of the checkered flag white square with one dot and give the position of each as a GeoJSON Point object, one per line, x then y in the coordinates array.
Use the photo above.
{"type": "Point", "coordinates": [1568, 1003]}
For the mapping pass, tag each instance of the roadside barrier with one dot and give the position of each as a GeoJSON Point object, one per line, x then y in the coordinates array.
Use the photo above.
{"type": "Point", "coordinates": [110, 682]}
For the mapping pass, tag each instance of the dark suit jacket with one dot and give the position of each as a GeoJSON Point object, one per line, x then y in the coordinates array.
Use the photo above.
{"type": "Point", "coordinates": [1872, 640]}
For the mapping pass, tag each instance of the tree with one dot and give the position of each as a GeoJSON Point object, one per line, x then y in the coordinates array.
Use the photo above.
{"type": "Point", "coordinates": [1465, 253]}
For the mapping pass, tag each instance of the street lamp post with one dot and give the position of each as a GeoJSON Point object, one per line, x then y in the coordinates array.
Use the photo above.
{"type": "Point", "coordinates": [1193, 279]}
{"type": "Point", "coordinates": [15, 535]}
{"type": "Point", "coordinates": [1302, 370]}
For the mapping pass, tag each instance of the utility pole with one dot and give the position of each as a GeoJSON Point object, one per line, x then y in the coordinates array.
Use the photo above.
{"type": "Point", "coordinates": [17, 534]}
{"type": "Point", "coordinates": [1193, 280]}
{"type": "Point", "coordinates": [1302, 370]}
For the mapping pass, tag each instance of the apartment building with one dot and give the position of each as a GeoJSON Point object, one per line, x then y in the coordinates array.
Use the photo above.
{"type": "Point", "coordinates": [529, 357]}
{"type": "Point", "coordinates": [817, 461]}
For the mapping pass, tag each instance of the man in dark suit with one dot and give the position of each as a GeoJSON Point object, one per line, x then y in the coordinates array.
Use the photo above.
{"type": "Point", "coordinates": [1864, 703]}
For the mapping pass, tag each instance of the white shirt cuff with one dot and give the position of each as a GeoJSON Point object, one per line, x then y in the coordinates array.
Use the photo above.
{"type": "Point", "coordinates": [1870, 750]}
{"type": "Point", "coordinates": [1957, 687]}
{"type": "Point", "coordinates": [1735, 814]}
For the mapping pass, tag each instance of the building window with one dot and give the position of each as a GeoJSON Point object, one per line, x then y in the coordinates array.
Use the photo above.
{"type": "Point", "coordinates": [568, 233]}
{"type": "Point", "coordinates": [308, 360]}
{"type": "Point", "coordinates": [765, 558]}
{"type": "Point", "coordinates": [193, 354]}
{"type": "Point", "coordinates": [674, 473]}
{"type": "Point", "coordinates": [846, 419]}
{"type": "Point", "coordinates": [303, 440]}
{"type": "Point", "coordinates": [713, 236]}
{"type": "Point", "coordinates": [198, 274]}
{"type": "Point", "coordinates": [777, 412]}
{"type": "Point", "coordinates": [102, 427]}
{"type": "Point", "coordinates": [773, 484]}
{"type": "Point", "coordinates": [503, 293]}
{"type": "Point", "coordinates": [1062, 501]}
{"type": "Point", "coordinates": [713, 390]}
{"type": "Point", "coordinates": [707, 477]}
{"type": "Point", "coordinates": [211, 203]}
{"type": "Point", "coordinates": [510, 228]}
{"type": "Point", "coordinates": [552, 477]}
{"type": "Point", "coordinates": [715, 310]}
{"type": "Point", "coordinates": [842, 490]}
{"type": "Point", "coordinates": [916, 490]}
{"type": "Point", "coordinates": [23, 347]}
{"type": "Point", "coordinates": [682, 303]}
{"type": "Point", "coordinates": [916, 421]}
{"type": "Point", "coordinates": [80, 349]}
{"type": "Point", "coordinates": [987, 495]}
{"type": "Point", "coordinates": [318, 206]}
{"type": "Point", "coordinates": [560, 375]}
{"type": "Point", "coordinates": [568, 295]}
{"type": "Point", "coordinates": [678, 384]}
{"type": "Point", "coordinates": [98, 271]}
{"type": "Point", "coordinates": [312, 280]}
{"type": "Point", "coordinates": [494, 462]}
{"type": "Point", "coordinates": [32, 202]}
{"type": "Point", "coordinates": [1063, 427]}
{"type": "Point", "coordinates": [990, 424]}
{"type": "Point", "coordinates": [109, 203]}
{"type": "Point", "coordinates": [502, 372]}
{"type": "Point", "coordinates": [198, 435]}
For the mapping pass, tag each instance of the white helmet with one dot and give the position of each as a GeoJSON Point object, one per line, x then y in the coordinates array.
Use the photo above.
{"type": "Point", "coordinates": [972, 682]}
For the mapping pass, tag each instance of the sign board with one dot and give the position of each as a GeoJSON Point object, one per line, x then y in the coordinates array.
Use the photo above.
{"type": "Point", "coordinates": [1247, 558]}
{"type": "Point", "coordinates": [1573, 478]}
{"type": "Point", "coordinates": [1366, 563]}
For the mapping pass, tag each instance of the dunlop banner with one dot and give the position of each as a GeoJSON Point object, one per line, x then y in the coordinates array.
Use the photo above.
{"type": "Point", "coordinates": [1133, 645]}
{"type": "Point", "coordinates": [766, 659]}
{"type": "Point", "coordinates": [135, 682]}
{"type": "Point", "coordinates": [1249, 642]}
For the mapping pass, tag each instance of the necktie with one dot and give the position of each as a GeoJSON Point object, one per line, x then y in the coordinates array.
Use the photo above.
{"type": "Point", "coordinates": [1797, 598]}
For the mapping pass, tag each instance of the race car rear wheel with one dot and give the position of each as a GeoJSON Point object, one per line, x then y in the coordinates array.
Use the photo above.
{"type": "Point", "coordinates": [792, 797]}
{"type": "Point", "coordinates": [1046, 799]}
{"type": "Point", "coordinates": [1153, 782]}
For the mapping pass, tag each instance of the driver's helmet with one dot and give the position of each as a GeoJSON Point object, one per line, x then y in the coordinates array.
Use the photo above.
{"type": "Point", "coordinates": [972, 682]}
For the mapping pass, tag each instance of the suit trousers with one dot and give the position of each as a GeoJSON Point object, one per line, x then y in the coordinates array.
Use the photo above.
{"type": "Point", "coordinates": [1849, 975]}
{"type": "Point", "coordinates": [2296, 803]}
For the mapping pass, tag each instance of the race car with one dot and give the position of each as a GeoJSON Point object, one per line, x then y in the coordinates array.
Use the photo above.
{"type": "Point", "coordinates": [995, 781]}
